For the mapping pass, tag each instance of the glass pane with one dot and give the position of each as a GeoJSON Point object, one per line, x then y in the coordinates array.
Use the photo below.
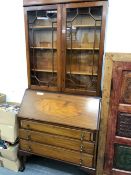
{"type": "Point", "coordinates": [83, 29]}
{"type": "Point", "coordinates": [42, 41]}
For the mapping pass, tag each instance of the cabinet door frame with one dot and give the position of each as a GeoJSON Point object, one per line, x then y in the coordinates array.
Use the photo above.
{"type": "Point", "coordinates": [103, 4]}
{"type": "Point", "coordinates": [44, 7]}
{"type": "Point", "coordinates": [116, 106]}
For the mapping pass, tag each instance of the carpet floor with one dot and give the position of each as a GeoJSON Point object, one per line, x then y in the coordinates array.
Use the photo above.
{"type": "Point", "coordinates": [41, 166]}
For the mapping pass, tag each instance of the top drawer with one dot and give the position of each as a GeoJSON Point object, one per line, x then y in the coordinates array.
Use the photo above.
{"type": "Point", "coordinates": [58, 130]}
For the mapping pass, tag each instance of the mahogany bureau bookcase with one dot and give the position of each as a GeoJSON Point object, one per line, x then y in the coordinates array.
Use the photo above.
{"type": "Point", "coordinates": [65, 47]}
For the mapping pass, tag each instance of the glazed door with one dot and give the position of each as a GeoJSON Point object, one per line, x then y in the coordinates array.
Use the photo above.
{"type": "Point", "coordinates": [83, 35]}
{"type": "Point", "coordinates": [43, 56]}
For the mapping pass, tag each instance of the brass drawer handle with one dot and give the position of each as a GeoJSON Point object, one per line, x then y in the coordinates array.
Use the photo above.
{"type": "Point", "coordinates": [81, 148]}
{"type": "Point", "coordinates": [81, 162]}
{"type": "Point", "coordinates": [28, 137]}
{"type": "Point", "coordinates": [28, 125]}
{"type": "Point", "coordinates": [82, 135]}
{"type": "Point", "coordinates": [29, 149]}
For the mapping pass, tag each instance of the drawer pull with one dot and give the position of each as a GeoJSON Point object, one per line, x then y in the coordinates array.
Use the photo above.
{"type": "Point", "coordinates": [29, 137]}
{"type": "Point", "coordinates": [81, 162]}
{"type": "Point", "coordinates": [28, 126]}
{"type": "Point", "coordinates": [81, 148]}
{"type": "Point", "coordinates": [82, 135]}
{"type": "Point", "coordinates": [29, 149]}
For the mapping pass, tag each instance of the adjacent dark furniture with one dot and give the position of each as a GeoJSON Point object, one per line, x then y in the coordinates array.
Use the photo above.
{"type": "Point", "coordinates": [118, 144]}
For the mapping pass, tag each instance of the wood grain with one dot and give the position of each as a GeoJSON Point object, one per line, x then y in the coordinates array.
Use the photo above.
{"type": "Point", "coordinates": [126, 88]}
{"type": "Point", "coordinates": [101, 48]}
{"type": "Point", "coordinates": [57, 153]}
{"type": "Point", "coordinates": [124, 108]}
{"type": "Point", "coordinates": [104, 115]}
{"type": "Point", "coordinates": [60, 49]}
{"type": "Point", "coordinates": [63, 109]}
{"type": "Point", "coordinates": [42, 2]}
{"type": "Point", "coordinates": [58, 141]}
{"type": "Point", "coordinates": [122, 140]}
{"type": "Point", "coordinates": [67, 122]}
{"type": "Point", "coordinates": [79, 90]}
{"type": "Point", "coordinates": [121, 69]}
{"type": "Point", "coordinates": [56, 129]}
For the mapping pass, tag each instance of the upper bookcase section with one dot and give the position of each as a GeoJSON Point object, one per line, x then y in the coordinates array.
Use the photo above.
{"type": "Point", "coordinates": [42, 2]}
{"type": "Point", "coordinates": [65, 46]}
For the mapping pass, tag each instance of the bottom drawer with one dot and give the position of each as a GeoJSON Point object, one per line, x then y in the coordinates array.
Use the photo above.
{"type": "Point", "coordinates": [122, 158]}
{"type": "Point", "coordinates": [57, 153]}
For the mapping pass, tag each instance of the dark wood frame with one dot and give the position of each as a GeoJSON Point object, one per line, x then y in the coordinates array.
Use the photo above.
{"type": "Point", "coordinates": [115, 107]}
{"type": "Point", "coordinates": [101, 51]}
{"type": "Point", "coordinates": [61, 45]}
{"type": "Point", "coordinates": [110, 59]}
{"type": "Point", "coordinates": [43, 2]}
{"type": "Point", "coordinates": [26, 9]}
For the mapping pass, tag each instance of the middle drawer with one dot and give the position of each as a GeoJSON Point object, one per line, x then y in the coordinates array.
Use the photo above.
{"type": "Point", "coordinates": [56, 140]}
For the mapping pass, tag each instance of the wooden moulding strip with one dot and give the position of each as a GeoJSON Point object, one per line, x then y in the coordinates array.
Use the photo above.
{"type": "Point", "coordinates": [80, 91]}
{"type": "Point", "coordinates": [124, 108]}
{"type": "Point", "coordinates": [104, 114]}
{"type": "Point", "coordinates": [37, 87]}
{"type": "Point", "coordinates": [39, 47]}
{"type": "Point", "coordinates": [122, 140]}
{"type": "Point", "coordinates": [42, 27]}
{"type": "Point", "coordinates": [77, 26]}
{"type": "Point", "coordinates": [42, 2]}
{"type": "Point", "coordinates": [120, 172]}
{"type": "Point", "coordinates": [124, 57]}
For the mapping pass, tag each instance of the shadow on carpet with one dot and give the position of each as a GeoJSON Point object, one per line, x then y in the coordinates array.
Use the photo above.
{"type": "Point", "coordinates": [42, 166]}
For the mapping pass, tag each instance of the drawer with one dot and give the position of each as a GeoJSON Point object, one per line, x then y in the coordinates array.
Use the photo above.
{"type": "Point", "coordinates": [58, 130]}
{"type": "Point", "coordinates": [124, 125]}
{"type": "Point", "coordinates": [70, 156]}
{"type": "Point", "coordinates": [58, 141]}
{"type": "Point", "coordinates": [122, 159]}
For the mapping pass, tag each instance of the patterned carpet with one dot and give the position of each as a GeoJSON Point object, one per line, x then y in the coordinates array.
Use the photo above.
{"type": "Point", "coordinates": [41, 166]}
